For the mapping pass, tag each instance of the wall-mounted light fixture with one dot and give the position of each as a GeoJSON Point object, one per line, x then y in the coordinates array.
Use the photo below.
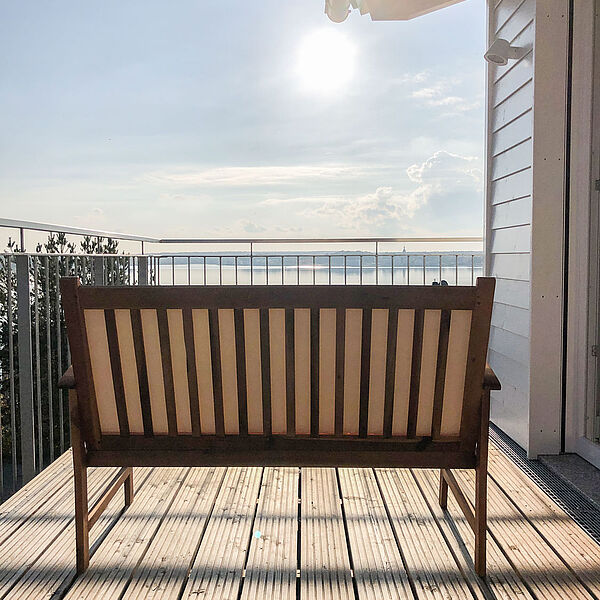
{"type": "Point", "coordinates": [500, 52]}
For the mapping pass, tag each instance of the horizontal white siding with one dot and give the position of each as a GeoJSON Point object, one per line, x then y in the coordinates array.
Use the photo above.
{"type": "Point", "coordinates": [509, 209]}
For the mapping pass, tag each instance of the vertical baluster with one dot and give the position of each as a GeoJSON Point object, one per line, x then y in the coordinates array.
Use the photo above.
{"type": "Point", "coordinates": [24, 329]}
{"type": "Point", "coordinates": [408, 269]}
{"type": "Point", "coordinates": [2, 371]}
{"type": "Point", "coordinates": [267, 269]}
{"type": "Point", "coordinates": [204, 268]}
{"type": "Point", "coordinates": [49, 376]}
{"type": "Point", "coordinates": [11, 373]}
{"type": "Point", "coordinates": [456, 270]}
{"type": "Point", "coordinates": [423, 269]}
{"type": "Point", "coordinates": [172, 270]}
{"type": "Point", "coordinates": [329, 268]}
{"type": "Point", "coordinates": [297, 270]}
{"type": "Point", "coordinates": [143, 270]}
{"type": "Point", "coordinates": [360, 270]}
{"type": "Point", "coordinates": [314, 272]}
{"type": "Point", "coordinates": [189, 270]}
{"type": "Point", "coordinates": [440, 269]}
{"type": "Point", "coordinates": [235, 266]}
{"type": "Point", "coordinates": [61, 431]}
{"type": "Point", "coordinates": [98, 270]}
{"type": "Point", "coordinates": [472, 268]}
{"type": "Point", "coordinates": [376, 263]}
{"type": "Point", "coordinates": [220, 270]}
{"type": "Point", "coordinates": [38, 368]}
{"type": "Point", "coordinates": [345, 270]}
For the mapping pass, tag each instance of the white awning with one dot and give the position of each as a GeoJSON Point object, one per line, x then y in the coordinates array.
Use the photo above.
{"type": "Point", "coordinates": [385, 10]}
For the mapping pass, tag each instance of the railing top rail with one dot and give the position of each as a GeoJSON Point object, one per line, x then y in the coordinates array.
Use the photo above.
{"type": "Point", "coordinates": [341, 240]}
{"type": "Point", "coordinates": [53, 228]}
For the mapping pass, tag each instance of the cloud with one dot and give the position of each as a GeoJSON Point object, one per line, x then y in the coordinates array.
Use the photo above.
{"type": "Point", "coordinates": [250, 228]}
{"type": "Point", "coordinates": [447, 169]}
{"type": "Point", "coordinates": [439, 179]}
{"type": "Point", "coordinates": [373, 209]}
{"type": "Point", "coordinates": [420, 77]}
{"type": "Point", "coordinates": [259, 176]}
{"type": "Point", "coordinates": [297, 200]}
{"type": "Point", "coordinates": [441, 94]}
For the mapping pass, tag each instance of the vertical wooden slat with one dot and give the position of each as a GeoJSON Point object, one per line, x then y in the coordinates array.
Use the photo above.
{"type": "Point", "coordinates": [190, 354]}
{"type": "Point", "coordinates": [265, 365]}
{"type": "Point", "coordinates": [165, 354]}
{"type": "Point", "coordinates": [130, 379]}
{"type": "Point", "coordinates": [240, 358]}
{"type": "Point", "coordinates": [390, 371]}
{"type": "Point", "coordinates": [314, 371]}
{"type": "Point", "coordinates": [415, 373]}
{"type": "Point", "coordinates": [117, 373]}
{"type": "Point", "coordinates": [140, 361]}
{"type": "Point", "coordinates": [340, 346]}
{"type": "Point", "coordinates": [215, 359]}
{"type": "Point", "coordinates": [440, 374]}
{"type": "Point", "coordinates": [365, 371]}
{"type": "Point", "coordinates": [290, 372]}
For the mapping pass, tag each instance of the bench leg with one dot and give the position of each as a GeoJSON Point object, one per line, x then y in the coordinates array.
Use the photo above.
{"type": "Point", "coordinates": [443, 497]}
{"type": "Point", "coordinates": [481, 488]}
{"type": "Point", "coordinates": [82, 538]}
{"type": "Point", "coordinates": [128, 486]}
{"type": "Point", "coordinates": [480, 518]}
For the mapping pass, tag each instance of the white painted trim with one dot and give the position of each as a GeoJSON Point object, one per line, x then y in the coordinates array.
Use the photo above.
{"type": "Point", "coordinates": [487, 142]}
{"type": "Point", "coordinates": [549, 136]}
{"type": "Point", "coordinates": [582, 281]}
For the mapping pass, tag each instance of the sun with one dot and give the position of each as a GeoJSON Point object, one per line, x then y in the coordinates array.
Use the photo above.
{"type": "Point", "coordinates": [325, 62]}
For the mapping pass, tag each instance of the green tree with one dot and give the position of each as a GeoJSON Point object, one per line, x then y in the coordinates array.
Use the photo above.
{"type": "Point", "coordinates": [55, 258]}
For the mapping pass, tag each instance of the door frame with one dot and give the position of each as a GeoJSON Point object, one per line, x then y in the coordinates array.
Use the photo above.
{"type": "Point", "coordinates": [582, 370]}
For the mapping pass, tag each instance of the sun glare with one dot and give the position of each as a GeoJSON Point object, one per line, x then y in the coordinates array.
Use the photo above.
{"type": "Point", "coordinates": [325, 61]}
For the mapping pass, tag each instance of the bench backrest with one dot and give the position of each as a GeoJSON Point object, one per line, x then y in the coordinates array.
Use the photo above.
{"type": "Point", "coordinates": [339, 361]}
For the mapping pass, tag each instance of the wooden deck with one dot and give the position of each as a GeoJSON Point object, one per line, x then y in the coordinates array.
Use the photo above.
{"type": "Point", "coordinates": [285, 533]}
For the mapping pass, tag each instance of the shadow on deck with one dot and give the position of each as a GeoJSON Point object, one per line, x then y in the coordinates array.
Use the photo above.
{"type": "Point", "coordinates": [308, 533]}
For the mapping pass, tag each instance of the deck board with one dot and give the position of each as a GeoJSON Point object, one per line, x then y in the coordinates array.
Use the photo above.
{"type": "Point", "coordinates": [549, 578]}
{"type": "Point", "coordinates": [568, 541]}
{"type": "Point", "coordinates": [325, 565]}
{"type": "Point", "coordinates": [272, 557]}
{"type": "Point", "coordinates": [429, 562]}
{"type": "Point", "coordinates": [218, 568]}
{"type": "Point", "coordinates": [502, 580]}
{"type": "Point", "coordinates": [162, 571]}
{"type": "Point", "coordinates": [377, 561]}
{"type": "Point", "coordinates": [117, 556]}
{"type": "Point", "coordinates": [54, 572]}
{"type": "Point", "coordinates": [356, 533]}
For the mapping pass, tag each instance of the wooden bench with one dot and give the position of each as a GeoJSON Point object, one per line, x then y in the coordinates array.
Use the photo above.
{"type": "Point", "coordinates": [327, 376]}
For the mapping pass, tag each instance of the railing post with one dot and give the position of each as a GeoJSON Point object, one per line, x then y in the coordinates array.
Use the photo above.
{"type": "Point", "coordinates": [143, 270]}
{"type": "Point", "coordinates": [25, 368]}
{"type": "Point", "coordinates": [98, 270]}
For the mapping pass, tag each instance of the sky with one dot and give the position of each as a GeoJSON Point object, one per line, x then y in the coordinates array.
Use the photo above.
{"type": "Point", "coordinates": [222, 118]}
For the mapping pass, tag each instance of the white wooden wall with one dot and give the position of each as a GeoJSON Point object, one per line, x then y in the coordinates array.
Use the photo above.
{"type": "Point", "coordinates": [524, 211]}
{"type": "Point", "coordinates": [510, 182]}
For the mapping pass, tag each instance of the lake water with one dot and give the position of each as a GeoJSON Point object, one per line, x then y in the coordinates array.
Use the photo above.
{"type": "Point", "coordinates": [230, 273]}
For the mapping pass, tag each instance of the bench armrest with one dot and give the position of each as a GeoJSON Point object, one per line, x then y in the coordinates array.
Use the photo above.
{"type": "Point", "coordinates": [67, 381]}
{"type": "Point", "coordinates": [490, 381]}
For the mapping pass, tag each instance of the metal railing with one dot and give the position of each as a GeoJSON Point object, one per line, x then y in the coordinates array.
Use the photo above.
{"type": "Point", "coordinates": [34, 352]}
